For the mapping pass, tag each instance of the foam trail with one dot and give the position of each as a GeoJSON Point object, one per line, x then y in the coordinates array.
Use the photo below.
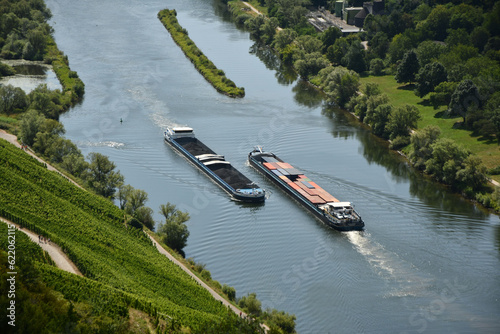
{"type": "Point", "coordinates": [389, 266]}
{"type": "Point", "coordinates": [108, 143]}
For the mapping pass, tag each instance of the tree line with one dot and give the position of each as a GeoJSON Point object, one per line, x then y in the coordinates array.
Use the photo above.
{"type": "Point", "coordinates": [448, 52]}
{"type": "Point", "coordinates": [25, 34]}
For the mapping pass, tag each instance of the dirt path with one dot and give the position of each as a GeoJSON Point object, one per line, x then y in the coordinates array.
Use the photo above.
{"type": "Point", "coordinates": [13, 140]}
{"type": "Point", "coordinates": [257, 11]}
{"type": "Point", "coordinates": [55, 252]}
{"type": "Point", "coordinates": [196, 278]}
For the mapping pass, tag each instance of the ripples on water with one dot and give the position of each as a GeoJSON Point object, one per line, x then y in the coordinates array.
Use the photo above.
{"type": "Point", "coordinates": [419, 238]}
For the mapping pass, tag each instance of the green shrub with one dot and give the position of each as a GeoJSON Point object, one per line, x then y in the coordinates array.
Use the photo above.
{"type": "Point", "coordinates": [211, 73]}
{"type": "Point", "coordinates": [399, 142]}
{"type": "Point", "coordinates": [494, 171]}
{"type": "Point", "coordinates": [229, 291]}
{"type": "Point", "coordinates": [206, 275]}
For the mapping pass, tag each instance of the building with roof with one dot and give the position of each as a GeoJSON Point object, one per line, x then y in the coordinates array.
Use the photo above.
{"type": "Point", "coordinates": [375, 7]}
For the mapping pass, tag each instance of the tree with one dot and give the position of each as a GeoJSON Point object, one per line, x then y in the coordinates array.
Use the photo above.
{"type": "Point", "coordinates": [422, 141]}
{"type": "Point", "coordinates": [284, 37]}
{"type": "Point", "coordinates": [59, 148]}
{"type": "Point", "coordinates": [456, 37]}
{"type": "Point", "coordinates": [429, 77]}
{"type": "Point", "coordinates": [336, 52]}
{"type": "Point", "coordinates": [229, 291]}
{"type": "Point", "coordinates": [492, 20]}
{"type": "Point", "coordinates": [268, 30]}
{"type": "Point", "coordinates": [442, 94]}
{"type": "Point", "coordinates": [355, 58]}
{"type": "Point", "coordinates": [30, 125]}
{"type": "Point", "coordinates": [374, 101]}
{"type": "Point", "coordinates": [429, 51]}
{"type": "Point", "coordinates": [136, 198]}
{"type": "Point", "coordinates": [6, 70]}
{"type": "Point", "coordinates": [168, 210]}
{"type": "Point", "coordinates": [399, 44]}
{"type": "Point", "coordinates": [285, 321]}
{"type": "Point", "coordinates": [101, 175]}
{"type": "Point", "coordinates": [12, 100]}
{"type": "Point", "coordinates": [446, 160]}
{"type": "Point", "coordinates": [465, 98]}
{"type": "Point", "coordinates": [145, 215]}
{"type": "Point", "coordinates": [250, 304]}
{"type": "Point", "coordinates": [310, 64]}
{"type": "Point", "coordinates": [329, 37]}
{"type": "Point", "coordinates": [473, 173]}
{"type": "Point", "coordinates": [358, 104]}
{"type": "Point", "coordinates": [466, 17]}
{"type": "Point", "coordinates": [408, 68]}
{"type": "Point", "coordinates": [378, 118]}
{"type": "Point", "coordinates": [74, 163]}
{"type": "Point", "coordinates": [41, 99]}
{"type": "Point", "coordinates": [379, 45]}
{"type": "Point", "coordinates": [38, 40]}
{"type": "Point", "coordinates": [438, 22]}
{"type": "Point", "coordinates": [402, 120]}
{"type": "Point", "coordinates": [308, 43]}
{"type": "Point", "coordinates": [377, 66]}
{"type": "Point", "coordinates": [340, 84]}
{"type": "Point", "coordinates": [123, 194]}
{"type": "Point", "coordinates": [254, 24]}
{"type": "Point", "coordinates": [479, 37]}
{"type": "Point", "coordinates": [174, 232]}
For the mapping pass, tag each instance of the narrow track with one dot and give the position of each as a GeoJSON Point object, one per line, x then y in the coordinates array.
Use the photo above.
{"type": "Point", "coordinates": [55, 252]}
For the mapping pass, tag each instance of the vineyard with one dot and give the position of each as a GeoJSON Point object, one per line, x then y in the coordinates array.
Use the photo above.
{"type": "Point", "coordinates": [120, 263]}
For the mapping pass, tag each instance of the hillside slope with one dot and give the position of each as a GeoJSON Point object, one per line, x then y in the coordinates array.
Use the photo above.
{"type": "Point", "coordinates": [91, 230]}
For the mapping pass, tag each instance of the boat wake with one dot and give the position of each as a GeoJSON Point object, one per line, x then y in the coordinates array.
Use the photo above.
{"type": "Point", "coordinates": [163, 122]}
{"type": "Point", "coordinates": [402, 276]}
{"type": "Point", "coordinates": [112, 144]}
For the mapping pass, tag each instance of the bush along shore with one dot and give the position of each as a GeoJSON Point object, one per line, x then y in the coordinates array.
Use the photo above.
{"type": "Point", "coordinates": [211, 73]}
{"type": "Point", "coordinates": [73, 86]}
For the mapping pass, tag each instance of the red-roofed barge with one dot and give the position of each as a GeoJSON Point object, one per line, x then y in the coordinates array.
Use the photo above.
{"type": "Point", "coordinates": [339, 215]}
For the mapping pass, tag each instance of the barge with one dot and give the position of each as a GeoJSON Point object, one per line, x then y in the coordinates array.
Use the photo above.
{"type": "Point", "coordinates": [184, 141]}
{"type": "Point", "coordinates": [334, 213]}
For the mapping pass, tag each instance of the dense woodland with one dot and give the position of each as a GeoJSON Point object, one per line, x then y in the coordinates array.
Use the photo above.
{"type": "Point", "coordinates": [447, 52]}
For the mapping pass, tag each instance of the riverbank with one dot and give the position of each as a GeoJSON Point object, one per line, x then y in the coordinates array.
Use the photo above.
{"type": "Point", "coordinates": [210, 72]}
{"type": "Point", "coordinates": [409, 111]}
{"type": "Point", "coordinates": [399, 95]}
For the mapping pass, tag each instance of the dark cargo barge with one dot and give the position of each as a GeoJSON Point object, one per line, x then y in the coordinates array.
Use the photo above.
{"type": "Point", "coordinates": [183, 140]}
{"type": "Point", "coordinates": [339, 215]}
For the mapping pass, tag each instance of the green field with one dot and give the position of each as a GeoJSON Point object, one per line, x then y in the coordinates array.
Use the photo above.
{"type": "Point", "coordinates": [488, 151]}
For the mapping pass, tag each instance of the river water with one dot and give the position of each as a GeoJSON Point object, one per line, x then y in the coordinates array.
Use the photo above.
{"type": "Point", "coordinates": [428, 260]}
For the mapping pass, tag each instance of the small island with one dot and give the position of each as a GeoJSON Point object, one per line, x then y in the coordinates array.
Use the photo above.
{"type": "Point", "coordinates": [213, 75]}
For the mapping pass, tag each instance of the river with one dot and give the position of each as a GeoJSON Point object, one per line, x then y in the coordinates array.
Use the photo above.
{"type": "Point", "coordinates": [428, 260]}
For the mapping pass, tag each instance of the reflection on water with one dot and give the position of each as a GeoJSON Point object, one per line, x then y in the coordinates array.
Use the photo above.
{"type": "Point", "coordinates": [30, 75]}
{"type": "Point", "coordinates": [30, 69]}
{"type": "Point", "coordinates": [307, 95]}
